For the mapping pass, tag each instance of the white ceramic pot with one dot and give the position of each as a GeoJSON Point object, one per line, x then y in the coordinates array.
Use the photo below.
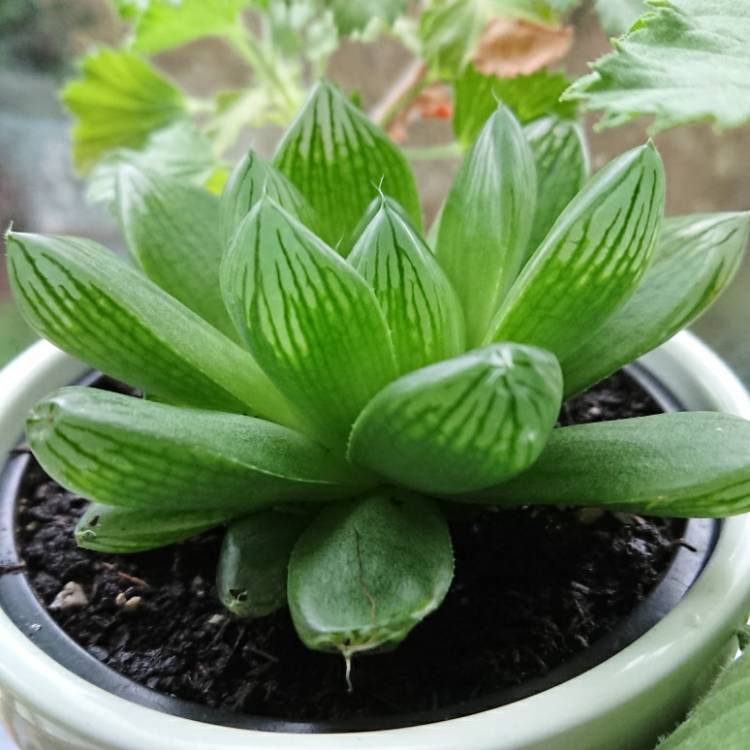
{"type": "Point", "coordinates": [622, 704]}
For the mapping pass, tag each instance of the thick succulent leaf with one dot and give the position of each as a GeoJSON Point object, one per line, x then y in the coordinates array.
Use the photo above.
{"type": "Point", "coordinates": [683, 61]}
{"type": "Point", "coordinates": [123, 451]}
{"type": "Point", "coordinates": [337, 159]}
{"type": "Point", "coordinates": [486, 221]}
{"type": "Point", "coordinates": [88, 302]}
{"type": "Point", "coordinates": [721, 719]}
{"type": "Point", "coordinates": [527, 96]}
{"type": "Point", "coordinates": [682, 464]}
{"type": "Point", "coordinates": [118, 100]}
{"type": "Point", "coordinates": [592, 259]}
{"type": "Point", "coordinates": [562, 167]}
{"type": "Point", "coordinates": [462, 424]}
{"type": "Point", "coordinates": [172, 230]}
{"type": "Point", "coordinates": [617, 16]}
{"type": "Point", "coordinates": [366, 571]}
{"type": "Point", "coordinates": [696, 258]}
{"type": "Point", "coordinates": [106, 528]}
{"type": "Point", "coordinates": [252, 178]}
{"type": "Point", "coordinates": [252, 571]}
{"type": "Point", "coordinates": [422, 310]}
{"type": "Point", "coordinates": [310, 319]}
{"type": "Point", "coordinates": [180, 151]}
{"type": "Point", "coordinates": [165, 24]}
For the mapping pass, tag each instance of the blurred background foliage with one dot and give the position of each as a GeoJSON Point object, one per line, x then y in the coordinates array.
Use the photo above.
{"type": "Point", "coordinates": [40, 41]}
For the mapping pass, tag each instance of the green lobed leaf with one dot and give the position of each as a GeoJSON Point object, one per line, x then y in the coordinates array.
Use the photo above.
{"type": "Point", "coordinates": [118, 100]}
{"type": "Point", "coordinates": [562, 168]}
{"type": "Point", "coordinates": [179, 151]}
{"type": "Point", "coordinates": [337, 159]}
{"type": "Point", "coordinates": [450, 29]}
{"type": "Point", "coordinates": [252, 571]}
{"type": "Point", "coordinates": [105, 528]}
{"type": "Point", "coordinates": [617, 16]}
{"type": "Point", "coordinates": [88, 302]}
{"type": "Point", "coordinates": [592, 260]}
{"type": "Point", "coordinates": [132, 453]}
{"type": "Point", "coordinates": [366, 571]}
{"type": "Point", "coordinates": [250, 179]}
{"type": "Point", "coordinates": [696, 259]}
{"type": "Point", "coordinates": [683, 61]}
{"type": "Point", "coordinates": [681, 464]}
{"type": "Point", "coordinates": [164, 24]}
{"type": "Point", "coordinates": [172, 230]}
{"type": "Point", "coordinates": [487, 219]}
{"type": "Point", "coordinates": [462, 424]}
{"type": "Point", "coordinates": [421, 309]}
{"type": "Point", "coordinates": [310, 319]}
{"type": "Point", "coordinates": [352, 17]}
{"type": "Point", "coordinates": [720, 720]}
{"type": "Point", "coordinates": [527, 96]}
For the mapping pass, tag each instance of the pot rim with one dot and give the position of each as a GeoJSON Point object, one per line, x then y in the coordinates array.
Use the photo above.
{"type": "Point", "coordinates": [704, 617]}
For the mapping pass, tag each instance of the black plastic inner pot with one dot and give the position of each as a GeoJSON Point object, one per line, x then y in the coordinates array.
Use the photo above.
{"type": "Point", "coordinates": [20, 603]}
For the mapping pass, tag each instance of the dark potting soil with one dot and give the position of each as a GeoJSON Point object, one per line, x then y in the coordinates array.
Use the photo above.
{"type": "Point", "coordinates": [531, 589]}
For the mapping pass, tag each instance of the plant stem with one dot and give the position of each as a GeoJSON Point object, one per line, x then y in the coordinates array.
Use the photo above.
{"type": "Point", "coordinates": [403, 92]}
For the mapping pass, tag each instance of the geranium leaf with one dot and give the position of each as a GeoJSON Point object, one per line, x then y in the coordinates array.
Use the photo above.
{"type": "Point", "coordinates": [681, 464]}
{"type": "Point", "coordinates": [337, 159]}
{"type": "Point", "coordinates": [310, 319]}
{"type": "Point", "coordinates": [422, 311]}
{"type": "Point", "coordinates": [562, 167]}
{"type": "Point", "coordinates": [106, 528]}
{"type": "Point", "coordinates": [87, 301]}
{"type": "Point", "coordinates": [366, 571]}
{"type": "Point", "coordinates": [250, 179]}
{"type": "Point", "coordinates": [528, 96]}
{"type": "Point", "coordinates": [252, 571]}
{"type": "Point", "coordinates": [486, 221]}
{"type": "Point", "coordinates": [172, 230]}
{"type": "Point", "coordinates": [592, 259]}
{"type": "Point", "coordinates": [118, 100]}
{"type": "Point", "coordinates": [696, 259]}
{"type": "Point", "coordinates": [462, 424]}
{"type": "Point", "coordinates": [720, 720]}
{"type": "Point", "coordinates": [683, 61]}
{"type": "Point", "coordinates": [179, 151]}
{"type": "Point", "coordinates": [355, 17]}
{"type": "Point", "coordinates": [128, 452]}
{"type": "Point", "coordinates": [164, 24]}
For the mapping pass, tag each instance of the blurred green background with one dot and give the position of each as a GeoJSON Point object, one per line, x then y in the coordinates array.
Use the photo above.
{"type": "Point", "coordinates": [39, 40]}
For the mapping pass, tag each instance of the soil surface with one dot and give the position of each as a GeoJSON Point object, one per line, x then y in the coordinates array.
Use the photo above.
{"type": "Point", "coordinates": [531, 589]}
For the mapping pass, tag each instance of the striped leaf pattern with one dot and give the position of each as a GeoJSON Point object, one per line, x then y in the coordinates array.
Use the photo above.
{"type": "Point", "coordinates": [696, 259]}
{"type": "Point", "coordinates": [128, 452]}
{"type": "Point", "coordinates": [592, 259]}
{"type": "Point", "coordinates": [250, 179]}
{"type": "Point", "coordinates": [311, 320]}
{"type": "Point", "coordinates": [172, 231]}
{"type": "Point", "coordinates": [462, 424]}
{"type": "Point", "coordinates": [682, 464]}
{"type": "Point", "coordinates": [366, 571]}
{"type": "Point", "coordinates": [421, 309]}
{"type": "Point", "coordinates": [106, 528]}
{"type": "Point", "coordinates": [337, 159]}
{"type": "Point", "coordinates": [562, 167]}
{"type": "Point", "coordinates": [87, 301]}
{"type": "Point", "coordinates": [251, 577]}
{"type": "Point", "coordinates": [487, 219]}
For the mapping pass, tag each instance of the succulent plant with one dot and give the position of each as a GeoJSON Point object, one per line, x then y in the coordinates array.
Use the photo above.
{"type": "Point", "coordinates": [324, 382]}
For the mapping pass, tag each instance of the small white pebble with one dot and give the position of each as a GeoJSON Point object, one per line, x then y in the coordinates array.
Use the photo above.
{"type": "Point", "coordinates": [216, 619]}
{"type": "Point", "coordinates": [120, 600]}
{"type": "Point", "coordinates": [70, 596]}
{"type": "Point", "coordinates": [132, 604]}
